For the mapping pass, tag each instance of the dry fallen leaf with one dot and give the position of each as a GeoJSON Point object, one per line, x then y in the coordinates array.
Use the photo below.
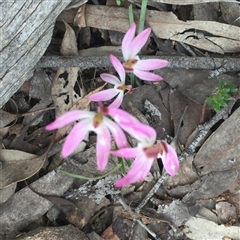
{"type": "Point", "coordinates": [208, 35]}
{"type": "Point", "coordinates": [61, 233]}
{"type": "Point", "coordinates": [79, 19]}
{"type": "Point", "coordinates": [221, 150]}
{"type": "Point", "coordinates": [7, 192]}
{"type": "Point", "coordinates": [63, 93]}
{"type": "Point", "coordinates": [40, 88]}
{"type": "Point", "coordinates": [74, 215]}
{"type": "Point", "coordinates": [211, 186]}
{"type": "Point", "coordinates": [84, 102]}
{"type": "Point", "coordinates": [198, 228]}
{"type": "Point", "coordinates": [194, 83]}
{"type": "Point", "coordinates": [185, 174]}
{"type": "Point", "coordinates": [18, 166]}
{"type": "Point", "coordinates": [26, 206]}
{"type": "Point", "coordinates": [64, 96]}
{"type": "Point", "coordinates": [6, 118]}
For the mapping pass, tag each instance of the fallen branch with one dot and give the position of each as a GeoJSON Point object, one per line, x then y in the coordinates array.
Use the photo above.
{"type": "Point", "coordinates": [229, 64]}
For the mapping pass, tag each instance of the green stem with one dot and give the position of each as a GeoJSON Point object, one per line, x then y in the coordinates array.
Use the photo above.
{"type": "Point", "coordinates": [88, 178]}
{"type": "Point", "coordinates": [142, 15]}
{"type": "Point", "coordinates": [132, 80]}
{"type": "Point", "coordinates": [130, 13]}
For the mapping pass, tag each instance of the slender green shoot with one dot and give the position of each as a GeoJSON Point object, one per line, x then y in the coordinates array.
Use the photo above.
{"type": "Point", "coordinates": [142, 15]}
{"type": "Point", "coordinates": [130, 13]}
{"type": "Point", "coordinates": [133, 80]}
{"type": "Point", "coordinates": [89, 178]}
{"type": "Point", "coordinates": [123, 162]}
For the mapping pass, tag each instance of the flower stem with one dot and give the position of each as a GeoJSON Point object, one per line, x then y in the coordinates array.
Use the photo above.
{"type": "Point", "coordinates": [88, 178]}
{"type": "Point", "coordinates": [142, 15]}
{"type": "Point", "coordinates": [130, 13]}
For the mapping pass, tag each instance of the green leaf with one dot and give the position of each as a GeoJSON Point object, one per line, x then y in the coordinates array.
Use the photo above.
{"type": "Point", "coordinates": [209, 99]}
{"type": "Point", "coordinates": [216, 108]}
{"type": "Point", "coordinates": [129, 163]}
{"type": "Point", "coordinates": [220, 84]}
{"type": "Point", "coordinates": [233, 90]}
{"type": "Point", "coordinates": [225, 91]}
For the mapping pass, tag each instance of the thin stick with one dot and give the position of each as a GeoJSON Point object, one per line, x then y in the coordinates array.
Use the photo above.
{"type": "Point", "coordinates": [230, 64]}
{"type": "Point", "coordinates": [151, 193]}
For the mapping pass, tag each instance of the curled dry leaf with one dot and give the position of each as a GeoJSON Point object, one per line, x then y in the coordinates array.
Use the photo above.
{"type": "Point", "coordinates": [18, 166]}
{"type": "Point", "coordinates": [79, 19]}
{"type": "Point", "coordinates": [10, 113]}
{"type": "Point", "coordinates": [6, 118]}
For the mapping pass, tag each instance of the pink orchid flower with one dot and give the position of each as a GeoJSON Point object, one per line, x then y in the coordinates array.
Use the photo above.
{"type": "Point", "coordinates": [132, 126]}
{"type": "Point", "coordinates": [103, 127]}
{"type": "Point", "coordinates": [90, 121]}
{"type": "Point", "coordinates": [131, 47]}
{"type": "Point", "coordinates": [145, 154]}
{"type": "Point", "coordinates": [119, 85]}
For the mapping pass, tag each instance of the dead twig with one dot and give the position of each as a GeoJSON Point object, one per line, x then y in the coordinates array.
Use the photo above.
{"type": "Point", "coordinates": [151, 193]}
{"type": "Point", "coordinates": [144, 227]}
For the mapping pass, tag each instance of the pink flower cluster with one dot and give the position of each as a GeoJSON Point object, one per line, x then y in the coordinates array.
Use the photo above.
{"type": "Point", "coordinates": [121, 121]}
{"type": "Point", "coordinates": [130, 48]}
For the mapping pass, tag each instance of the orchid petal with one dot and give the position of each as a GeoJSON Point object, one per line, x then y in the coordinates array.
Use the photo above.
{"type": "Point", "coordinates": [150, 64]}
{"type": "Point", "coordinates": [140, 131]}
{"type": "Point", "coordinates": [110, 79]}
{"type": "Point", "coordinates": [103, 147]}
{"type": "Point", "coordinates": [120, 116]}
{"type": "Point", "coordinates": [76, 135]}
{"type": "Point", "coordinates": [103, 95]}
{"type": "Point", "coordinates": [126, 152]}
{"type": "Point", "coordinates": [138, 42]}
{"type": "Point", "coordinates": [117, 132]}
{"type": "Point", "coordinates": [118, 101]}
{"type": "Point", "coordinates": [147, 76]}
{"type": "Point", "coordinates": [169, 159]}
{"type": "Point", "coordinates": [68, 118]}
{"type": "Point", "coordinates": [139, 170]}
{"type": "Point", "coordinates": [126, 50]}
{"type": "Point", "coordinates": [119, 68]}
